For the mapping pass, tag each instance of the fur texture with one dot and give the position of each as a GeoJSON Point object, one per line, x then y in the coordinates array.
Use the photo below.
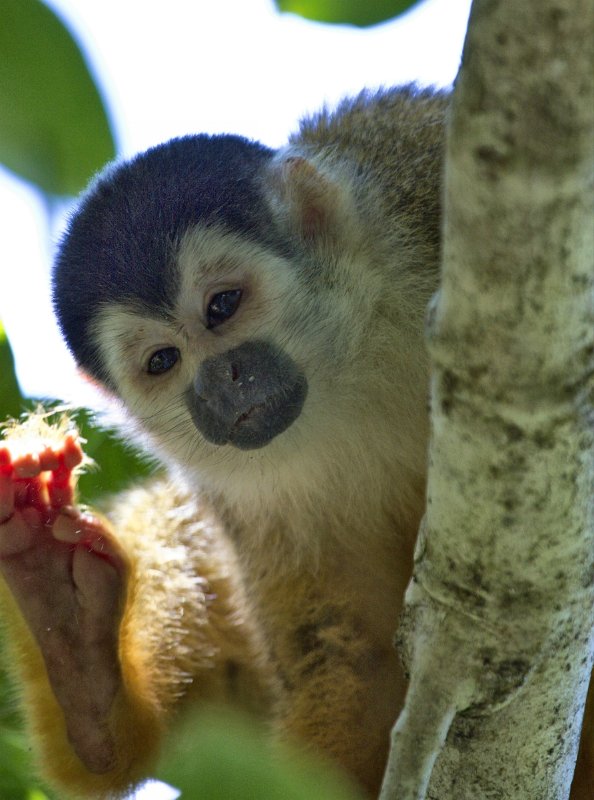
{"type": "Point", "coordinates": [287, 561]}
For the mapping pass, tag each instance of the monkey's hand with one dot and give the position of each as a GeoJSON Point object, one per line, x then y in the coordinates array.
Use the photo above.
{"type": "Point", "coordinates": [67, 578]}
{"type": "Point", "coordinates": [67, 575]}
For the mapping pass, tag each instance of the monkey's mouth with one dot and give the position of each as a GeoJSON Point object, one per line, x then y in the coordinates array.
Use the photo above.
{"type": "Point", "coordinates": [249, 414]}
{"type": "Point", "coordinates": [257, 425]}
{"type": "Point", "coordinates": [263, 421]}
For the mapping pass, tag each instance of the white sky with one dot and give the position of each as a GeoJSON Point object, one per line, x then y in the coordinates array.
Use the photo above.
{"type": "Point", "coordinates": [179, 66]}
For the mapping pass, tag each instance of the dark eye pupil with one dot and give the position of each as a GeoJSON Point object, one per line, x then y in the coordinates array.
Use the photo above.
{"type": "Point", "coordinates": [162, 360]}
{"type": "Point", "coordinates": [222, 306]}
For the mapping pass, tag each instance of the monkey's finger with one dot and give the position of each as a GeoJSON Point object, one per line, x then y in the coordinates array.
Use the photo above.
{"type": "Point", "coordinates": [6, 496]}
{"type": "Point", "coordinates": [5, 461]}
{"type": "Point", "coordinates": [33, 493]}
{"type": "Point", "coordinates": [49, 459]}
{"type": "Point", "coordinates": [67, 526]}
{"type": "Point", "coordinates": [61, 481]}
{"type": "Point", "coordinates": [18, 533]}
{"type": "Point", "coordinates": [72, 452]}
{"type": "Point", "coordinates": [61, 491]}
{"type": "Point", "coordinates": [26, 465]}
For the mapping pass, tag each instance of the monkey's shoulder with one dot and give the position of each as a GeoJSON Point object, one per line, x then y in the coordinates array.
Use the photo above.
{"type": "Point", "coordinates": [384, 122]}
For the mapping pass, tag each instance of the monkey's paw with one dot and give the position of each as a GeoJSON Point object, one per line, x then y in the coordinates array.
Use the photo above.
{"type": "Point", "coordinates": [67, 575]}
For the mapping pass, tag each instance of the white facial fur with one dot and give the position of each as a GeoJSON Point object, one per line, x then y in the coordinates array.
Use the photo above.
{"type": "Point", "coordinates": [360, 423]}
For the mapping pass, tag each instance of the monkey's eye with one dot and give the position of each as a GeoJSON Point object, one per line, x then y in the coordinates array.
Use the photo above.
{"type": "Point", "coordinates": [222, 306]}
{"type": "Point", "coordinates": [162, 360]}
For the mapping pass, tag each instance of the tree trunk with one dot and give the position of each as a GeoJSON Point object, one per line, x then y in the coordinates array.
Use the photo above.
{"type": "Point", "coordinates": [497, 632]}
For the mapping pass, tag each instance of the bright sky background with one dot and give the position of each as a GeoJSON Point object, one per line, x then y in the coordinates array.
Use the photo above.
{"type": "Point", "coordinates": [180, 66]}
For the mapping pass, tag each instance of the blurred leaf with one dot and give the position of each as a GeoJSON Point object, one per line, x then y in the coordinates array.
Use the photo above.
{"type": "Point", "coordinates": [222, 756]}
{"type": "Point", "coordinates": [16, 781]}
{"type": "Point", "coordinates": [11, 400]}
{"type": "Point", "coordinates": [117, 463]}
{"type": "Point", "coordinates": [16, 767]}
{"type": "Point", "coordinates": [54, 129]}
{"type": "Point", "coordinates": [362, 13]}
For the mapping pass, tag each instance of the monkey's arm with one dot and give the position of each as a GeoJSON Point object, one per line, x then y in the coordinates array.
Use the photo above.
{"type": "Point", "coordinates": [108, 636]}
{"type": "Point", "coordinates": [330, 631]}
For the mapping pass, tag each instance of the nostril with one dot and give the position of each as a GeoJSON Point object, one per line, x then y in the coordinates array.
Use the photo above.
{"type": "Point", "coordinates": [234, 372]}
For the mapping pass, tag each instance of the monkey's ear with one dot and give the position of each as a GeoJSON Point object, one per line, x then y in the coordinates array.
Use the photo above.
{"type": "Point", "coordinates": [317, 206]}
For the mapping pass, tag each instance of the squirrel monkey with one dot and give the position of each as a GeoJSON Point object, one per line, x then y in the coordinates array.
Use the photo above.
{"type": "Point", "coordinates": [259, 316]}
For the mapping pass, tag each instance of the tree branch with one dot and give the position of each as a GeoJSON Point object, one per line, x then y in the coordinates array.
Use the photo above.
{"type": "Point", "coordinates": [498, 625]}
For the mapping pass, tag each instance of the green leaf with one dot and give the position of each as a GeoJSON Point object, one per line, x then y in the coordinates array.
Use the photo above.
{"type": "Point", "coordinates": [222, 756]}
{"type": "Point", "coordinates": [54, 129]}
{"type": "Point", "coordinates": [16, 782]}
{"type": "Point", "coordinates": [36, 794]}
{"type": "Point", "coordinates": [16, 766]}
{"type": "Point", "coordinates": [117, 464]}
{"type": "Point", "coordinates": [11, 399]}
{"type": "Point", "coordinates": [362, 13]}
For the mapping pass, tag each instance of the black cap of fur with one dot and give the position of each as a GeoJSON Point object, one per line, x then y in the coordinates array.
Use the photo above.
{"type": "Point", "coordinates": [120, 244]}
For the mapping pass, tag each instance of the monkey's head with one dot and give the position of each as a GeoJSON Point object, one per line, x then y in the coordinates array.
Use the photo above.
{"type": "Point", "coordinates": [238, 301]}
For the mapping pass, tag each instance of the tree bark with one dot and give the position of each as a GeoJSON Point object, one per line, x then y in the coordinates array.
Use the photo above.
{"type": "Point", "coordinates": [497, 631]}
